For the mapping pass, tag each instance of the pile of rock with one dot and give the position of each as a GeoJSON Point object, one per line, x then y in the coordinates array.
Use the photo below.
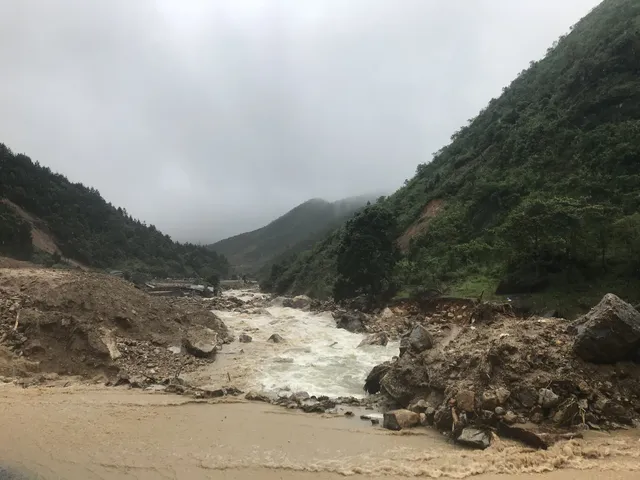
{"type": "Point", "coordinates": [79, 323]}
{"type": "Point", "coordinates": [504, 371]}
{"type": "Point", "coordinates": [310, 403]}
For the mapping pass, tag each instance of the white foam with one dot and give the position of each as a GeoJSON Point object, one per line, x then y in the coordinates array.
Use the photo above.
{"type": "Point", "coordinates": [317, 357]}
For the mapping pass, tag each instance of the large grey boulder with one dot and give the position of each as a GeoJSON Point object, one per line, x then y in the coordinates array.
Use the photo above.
{"type": "Point", "coordinates": [418, 340]}
{"type": "Point", "coordinates": [276, 338]}
{"type": "Point", "coordinates": [405, 380]}
{"type": "Point", "coordinates": [399, 419]}
{"type": "Point", "coordinates": [351, 321]}
{"type": "Point", "coordinates": [201, 342]}
{"type": "Point", "coordinates": [609, 333]}
{"type": "Point", "coordinates": [372, 383]}
{"type": "Point", "coordinates": [380, 338]}
{"type": "Point", "coordinates": [300, 302]}
{"type": "Point", "coordinates": [475, 438]}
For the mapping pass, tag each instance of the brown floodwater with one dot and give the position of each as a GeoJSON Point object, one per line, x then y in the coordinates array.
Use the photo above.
{"type": "Point", "coordinates": [82, 432]}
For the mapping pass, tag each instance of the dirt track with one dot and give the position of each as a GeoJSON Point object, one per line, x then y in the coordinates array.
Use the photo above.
{"type": "Point", "coordinates": [88, 433]}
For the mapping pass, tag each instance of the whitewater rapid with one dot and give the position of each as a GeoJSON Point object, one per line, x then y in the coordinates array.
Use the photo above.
{"type": "Point", "coordinates": [316, 357]}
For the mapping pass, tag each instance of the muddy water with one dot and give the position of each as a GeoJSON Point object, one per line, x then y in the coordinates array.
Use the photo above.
{"type": "Point", "coordinates": [316, 357]}
{"type": "Point", "coordinates": [97, 433]}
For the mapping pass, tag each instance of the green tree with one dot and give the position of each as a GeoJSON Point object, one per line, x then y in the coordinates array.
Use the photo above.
{"type": "Point", "coordinates": [367, 254]}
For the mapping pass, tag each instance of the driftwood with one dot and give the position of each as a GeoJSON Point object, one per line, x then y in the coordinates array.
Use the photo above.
{"type": "Point", "coordinates": [15, 326]}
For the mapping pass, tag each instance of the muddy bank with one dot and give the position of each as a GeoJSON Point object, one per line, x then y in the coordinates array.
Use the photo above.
{"type": "Point", "coordinates": [79, 433]}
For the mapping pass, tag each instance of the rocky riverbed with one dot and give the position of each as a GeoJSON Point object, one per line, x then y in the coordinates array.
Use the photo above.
{"type": "Point", "coordinates": [473, 370]}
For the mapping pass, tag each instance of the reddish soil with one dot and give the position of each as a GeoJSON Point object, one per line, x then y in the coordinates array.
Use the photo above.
{"type": "Point", "coordinates": [419, 227]}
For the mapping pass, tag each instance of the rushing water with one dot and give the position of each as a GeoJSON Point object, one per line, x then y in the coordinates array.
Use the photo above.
{"type": "Point", "coordinates": [317, 357]}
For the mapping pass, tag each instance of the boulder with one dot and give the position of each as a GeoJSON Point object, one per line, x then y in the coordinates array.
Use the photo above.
{"type": "Point", "coordinates": [300, 396]}
{"type": "Point", "coordinates": [609, 333]}
{"type": "Point", "coordinates": [475, 438]}
{"type": "Point", "coordinates": [614, 411]}
{"type": "Point", "coordinates": [275, 338]}
{"type": "Point", "coordinates": [380, 338]}
{"type": "Point", "coordinates": [405, 380]}
{"type": "Point", "coordinates": [465, 400]}
{"type": "Point", "coordinates": [430, 413]}
{"type": "Point", "coordinates": [301, 302]}
{"type": "Point", "coordinates": [387, 313]}
{"type": "Point", "coordinates": [547, 398]}
{"type": "Point", "coordinates": [372, 383]}
{"type": "Point", "coordinates": [419, 407]}
{"type": "Point", "coordinates": [527, 396]}
{"type": "Point", "coordinates": [352, 321]}
{"type": "Point", "coordinates": [244, 338]}
{"type": "Point", "coordinates": [399, 419]}
{"type": "Point", "coordinates": [201, 342]}
{"type": "Point", "coordinates": [503, 395]}
{"type": "Point", "coordinates": [405, 346]}
{"type": "Point", "coordinates": [278, 301]}
{"type": "Point", "coordinates": [443, 418]}
{"type": "Point", "coordinates": [418, 340]}
{"type": "Point", "coordinates": [109, 340]}
{"type": "Point", "coordinates": [489, 400]}
{"type": "Point", "coordinates": [510, 418]}
{"type": "Point", "coordinates": [523, 435]}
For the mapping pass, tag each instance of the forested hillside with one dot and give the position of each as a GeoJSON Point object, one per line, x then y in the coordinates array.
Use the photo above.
{"type": "Point", "coordinates": [293, 232]}
{"type": "Point", "coordinates": [15, 234]}
{"type": "Point", "coordinates": [87, 228]}
{"type": "Point", "coordinates": [538, 193]}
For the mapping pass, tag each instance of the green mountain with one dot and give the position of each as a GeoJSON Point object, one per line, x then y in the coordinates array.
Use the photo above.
{"type": "Point", "coordinates": [540, 193]}
{"type": "Point", "coordinates": [85, 228]}
{"type": "Point", "coordinates": [293, 232]}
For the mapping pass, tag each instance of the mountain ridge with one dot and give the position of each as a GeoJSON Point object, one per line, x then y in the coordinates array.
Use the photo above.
{"type": "Point", "coordinates": [537, 192]}
{"type": "Point", "coordinates": [87, 229]}
{"type": "Point", "coordinates": [294, 231]}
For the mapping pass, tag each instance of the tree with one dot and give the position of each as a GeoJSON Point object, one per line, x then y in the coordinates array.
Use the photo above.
{"type": "Point", "coordinates": [367, 254]}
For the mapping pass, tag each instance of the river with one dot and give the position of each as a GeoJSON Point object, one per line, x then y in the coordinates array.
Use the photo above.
{"type": "Point", "coordinates": [316, 357]}
{"type": "Point", "coordinates": [93, 432]}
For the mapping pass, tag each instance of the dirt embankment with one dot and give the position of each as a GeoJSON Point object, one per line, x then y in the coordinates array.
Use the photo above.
{"type": "Point", "coordinates": [80, 323]}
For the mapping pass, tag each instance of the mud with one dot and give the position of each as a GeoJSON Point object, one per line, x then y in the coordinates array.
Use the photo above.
{"type": "Point", "coordinates": [89, 433]}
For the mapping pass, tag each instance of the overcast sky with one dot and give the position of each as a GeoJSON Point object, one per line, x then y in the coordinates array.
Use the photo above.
{"type": "Point", "coordinates": [209, 118]}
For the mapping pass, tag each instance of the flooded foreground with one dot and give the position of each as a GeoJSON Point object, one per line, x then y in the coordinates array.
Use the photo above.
{"type": "Point", "coordinates": [99, 433]}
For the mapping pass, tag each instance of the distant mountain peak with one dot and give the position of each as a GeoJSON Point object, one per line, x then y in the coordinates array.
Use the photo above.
{"type": "Point", "coordinates": [296, 230]}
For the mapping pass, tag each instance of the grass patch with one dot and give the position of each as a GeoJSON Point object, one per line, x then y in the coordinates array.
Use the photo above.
{"type": "Point", "coordinates": [474, 286]}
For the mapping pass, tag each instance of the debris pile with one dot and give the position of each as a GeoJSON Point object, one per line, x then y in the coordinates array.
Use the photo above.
{"type": "Point", "coordinates": [466, 367]}
{"type": "Point", "coordinates": [80, 323]}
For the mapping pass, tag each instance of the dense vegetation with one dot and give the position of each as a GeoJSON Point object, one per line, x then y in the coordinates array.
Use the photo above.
{"type": "Point", "coordinates": [15, 234]}
{"type": "Point", "coordinates": [541, 191]}
{"type": "Point", "coordinates": [366, 255]}
{"type": "Point", "coordinates": [92, 231]}
{"type": "Point", "coordinates": [294, 232]}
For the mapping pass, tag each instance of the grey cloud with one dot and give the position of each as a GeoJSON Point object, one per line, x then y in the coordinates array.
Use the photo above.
{"type": "Point", "coordinates": [210, 118]}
